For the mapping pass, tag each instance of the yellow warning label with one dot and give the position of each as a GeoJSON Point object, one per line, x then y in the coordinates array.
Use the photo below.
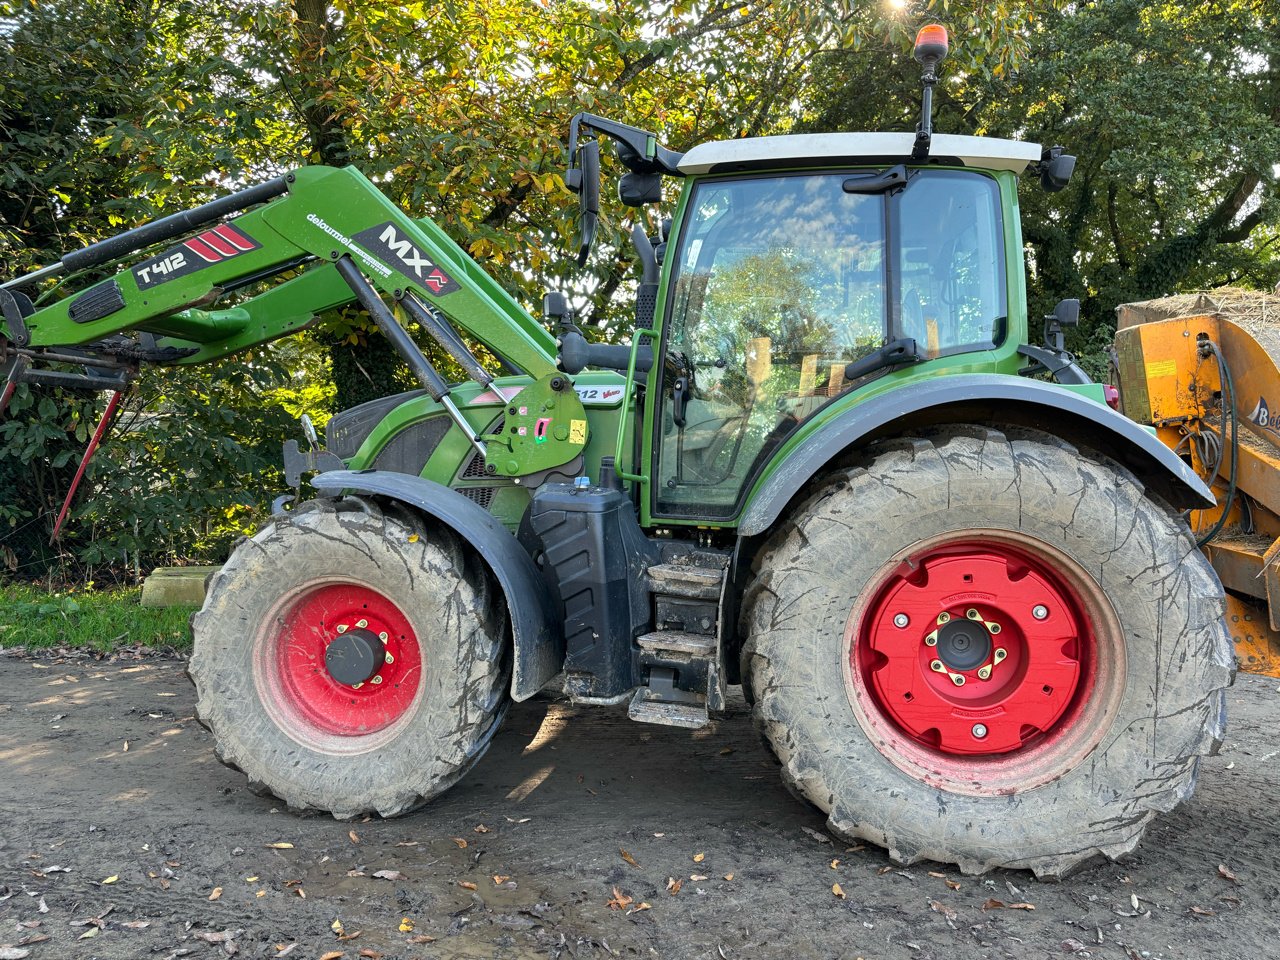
{"type": "Point", "coordinates": [1162, 368]}
{"type": "Point", "coordinates": [577, 431]}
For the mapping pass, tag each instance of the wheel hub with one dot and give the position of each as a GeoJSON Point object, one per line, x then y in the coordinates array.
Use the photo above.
{"type": "Point", "coordinates": [355, 657]}
{"type": "Point", "coordinates": [963, 644]}
{"type": "Point", "coordinates": [973, 648]}
{"type": "Point", "coordinates": [346, 660]}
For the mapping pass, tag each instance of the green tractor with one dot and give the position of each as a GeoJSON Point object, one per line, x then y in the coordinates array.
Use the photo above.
{"type": "Point", "coordinates": [831, 466]}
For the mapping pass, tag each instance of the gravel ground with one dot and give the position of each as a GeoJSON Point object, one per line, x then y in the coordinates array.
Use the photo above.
{"type": "Point", "coordinates": [121, 836]}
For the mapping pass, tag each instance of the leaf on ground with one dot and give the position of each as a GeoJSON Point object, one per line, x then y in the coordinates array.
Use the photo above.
{"type": "Point", "coordinates": [350, 936]}
{"type": "Point", "coordinates": [219, 936]}
{"type": "Point", "coordinates": [332, 955]}
{"type": "Point", "coordinates": [674, 885]}
{"type": "Point", "coordinates": [619, 900]}
{"type": "Point", "coordinates": [301, 893]}
{"type": "Point", "coordinates": [1071, 945]}
{"type": "Point", "coordinates": [1203, 912]}
{"type": "Point", "coordinates": [1227, 874]}
{"type": "Point", "coordinates": [466, 885]}
{"type": "Point", "coordinates": [835, 864]}
{"type": "Point", "coordinates": [422, 938]}
{"type": "Point", "coordinates": [882, 871]}
{"type": "Point", "coordinates": [942, 908]}
{"type": "Point", "coordinates": [371, 954]}
{"type": "Point", "coordinates": [696, 877]}
{"type": "Point", "coordinates": [217, 892]}
{"type": "Point", "coordinates": [126, 746]}
{"type": "Point", "coordinates": [728, 876]}
{"type": "Point", "coordinates": [838, 891]}
{"type": "Point", "coordinates": [521, 820]}
{"type": "Point", "coordinates": [407, 843]}
{"type": "Point", "coordinates": [1022, 906]}
{"type": "Point", "coordinates": [953, 884]}
{"type": "Point", "coordinates": [356, 873]}
{"type": "Point", "coordinates": [462, 844]}
{"type": "Point", "coordinates": [640, 906]}
{"type": "Point", "coordinates": [91, 932]}
{"type": "Point", "coordinates": [355, 837]}
{"type": "Point", "coordinates": [479, 828]}
{"type": "Point", "coordinates": [337, 927]}
{"type": "Point", "coordinates": [406, 925]}
{"type": "Point", "coordinates": [250, 879]}
{"type": "Point", "coordinates": [136, 924]}
{"type": "Point", "coordinates": [111, 879]}
{"type": "Point", "coordinates": [994, 904]}
{"type": "Point", "coordinates": [280, 845]}
{"type": "Point", "coordinates": [388, 874]}
{"type": "Point", "coordinates": [14, 953]}
{"type": "Point", "coordinates": [699, 857]}
{"type": "Point", "coordinates": [499, 879]}
{"type": "Point", "coordinates": [726, 751]}
{"type": "Point", "coordinates": [936, 875]}
{"type": "Point", "coordinates": [628, 857]}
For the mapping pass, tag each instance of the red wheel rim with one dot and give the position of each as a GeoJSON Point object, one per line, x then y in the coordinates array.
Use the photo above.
{"type": "Point", "coordinates": [975, 657]}
{"type": "Point", "coordinates": [312, 705]}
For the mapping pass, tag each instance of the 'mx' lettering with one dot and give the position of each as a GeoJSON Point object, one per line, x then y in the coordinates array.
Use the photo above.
{"type": "Point", "coordinates": [385, 242]}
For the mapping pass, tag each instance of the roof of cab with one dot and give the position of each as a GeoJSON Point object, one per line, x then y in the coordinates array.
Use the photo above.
{"type": "Point", "coordinates": [829, 149]}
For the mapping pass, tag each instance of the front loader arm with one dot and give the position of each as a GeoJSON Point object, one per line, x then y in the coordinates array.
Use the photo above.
{"type": "Point", "coordinates": [325, 215]}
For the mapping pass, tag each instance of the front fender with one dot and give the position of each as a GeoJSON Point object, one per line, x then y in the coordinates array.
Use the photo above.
{"type": "Point", "coordinates": [974, 398]}
{"type": "Point", "coordinates": [536, 631]}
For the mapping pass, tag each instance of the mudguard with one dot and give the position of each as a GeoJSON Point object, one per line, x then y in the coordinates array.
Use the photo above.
{"type": "Point", "coordinates": [977, 398]}
{"type": "Point", "coordinates": [536, 631]}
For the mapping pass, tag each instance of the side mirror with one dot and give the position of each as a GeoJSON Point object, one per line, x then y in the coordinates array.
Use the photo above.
{"type": "Point", "coordinates": [1067, 312]}
{"type": "Point", "coordinates": [637, 189]}
{"type": "Point", "coordinates": [1056, 168]}
{"type": "Point", "coordinates": [585, 181]}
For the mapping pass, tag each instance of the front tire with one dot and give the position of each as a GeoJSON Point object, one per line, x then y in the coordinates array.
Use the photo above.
{"type": "Point", "coordinates": [306, 729]}
{"type": "Point", "coordinates": [989, 650]}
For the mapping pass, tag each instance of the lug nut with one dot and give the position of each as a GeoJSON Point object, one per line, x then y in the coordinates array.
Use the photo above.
{"type": "Point", "coordinates": [993, 628]}
{"type": "Point", "coordinates": [342, 628]}
{"type": "Point", "coordinates": [973, 614]}
{"type": "Point", "coordinates": [389, 658]}
{"type": "Point", "coordinates": [984, 673]}
{"type": "Point", "coordinates": [901, 620]}
{"type": "Point", "coordinates": [376, 679]}
{"type": "Point", "coordinates": [931, 640]}
{"type": "Point", "coordinates": [944, 617]}
{"type": "Point", "coordinates": [979, 730]}
{"type": "Point", "coordinates": [937, 667]}
{"type": "Point", "coordinates": [362, 624]}
{"type": "Point", "coordinates": [957, 679]}
{"type": "Point", "coordinates": [1040, 611]}
{"type": "Point", "coordinates": [383, 636]}
{"type": "Point", "coordinates": [1000, 654]}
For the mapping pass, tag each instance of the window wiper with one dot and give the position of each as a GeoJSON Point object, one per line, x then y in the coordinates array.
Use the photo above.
{"type": "Point", "coordinates": [894, 178]}
{"type": "Point", "coordinates": [895, 353]}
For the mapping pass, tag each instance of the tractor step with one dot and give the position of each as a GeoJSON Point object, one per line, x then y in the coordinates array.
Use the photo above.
{"type": "Point", "coordinates": [646, 709]}
{"type": "Point", "coordinates": [683, 580]}
{"type": "Point", "coordinates": [677, 641]}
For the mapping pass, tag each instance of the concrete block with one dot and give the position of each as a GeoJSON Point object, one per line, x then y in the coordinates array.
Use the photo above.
{"type": "Point", "coordinates": [176, 586]}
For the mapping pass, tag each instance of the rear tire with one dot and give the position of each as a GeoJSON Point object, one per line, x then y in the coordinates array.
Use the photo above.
{"type": "Point", "coordinates": [387, 745]}
{"type": "Point", "coordinates": [1095, 735]}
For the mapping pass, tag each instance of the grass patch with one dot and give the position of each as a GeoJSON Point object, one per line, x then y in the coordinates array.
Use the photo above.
{"type": "Point", "coordinates": [99, 619]}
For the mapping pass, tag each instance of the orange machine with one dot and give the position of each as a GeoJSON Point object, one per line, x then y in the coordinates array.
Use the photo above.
{"type": "Point", "coordinates": [1202, 370]}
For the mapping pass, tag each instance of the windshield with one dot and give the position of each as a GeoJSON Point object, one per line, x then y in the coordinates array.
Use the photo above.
{"type": "Point", "coordinates": [780, 282]}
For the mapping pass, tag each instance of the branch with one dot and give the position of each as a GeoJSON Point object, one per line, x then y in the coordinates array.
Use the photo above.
{"type": "Point", "coordinates": [1121, 257]}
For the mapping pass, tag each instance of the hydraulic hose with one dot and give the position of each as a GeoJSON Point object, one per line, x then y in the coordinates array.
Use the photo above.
{"type": "Point", "coordinates": [1228, 415]}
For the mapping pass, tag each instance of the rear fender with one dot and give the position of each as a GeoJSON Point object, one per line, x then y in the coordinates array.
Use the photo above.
{"type": "Point", "coordinates": [536, 632]}
{"type": "Point", "coordinates": [975, 398]}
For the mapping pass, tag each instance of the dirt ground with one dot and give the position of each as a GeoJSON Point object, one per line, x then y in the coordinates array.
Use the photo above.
{"type": "Point", "coordinates": [118, 826]}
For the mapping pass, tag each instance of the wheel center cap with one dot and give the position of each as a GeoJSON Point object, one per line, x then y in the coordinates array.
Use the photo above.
{"type": "Point", "coordinates": [355, 656]}
{"type": "Point", "coordinates": [963, 644]}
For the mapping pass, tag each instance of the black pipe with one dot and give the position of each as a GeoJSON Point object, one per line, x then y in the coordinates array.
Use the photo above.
{"type": "Point", "coordinates": [175, 225]}
{"type": "Point", "coordinates": [443, 334]}
{"type": "Point", "coordinates": [382, 316]}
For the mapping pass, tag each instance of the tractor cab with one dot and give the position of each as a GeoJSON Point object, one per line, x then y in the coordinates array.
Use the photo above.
{"type": "Point", "coordinates": [802, 273]}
